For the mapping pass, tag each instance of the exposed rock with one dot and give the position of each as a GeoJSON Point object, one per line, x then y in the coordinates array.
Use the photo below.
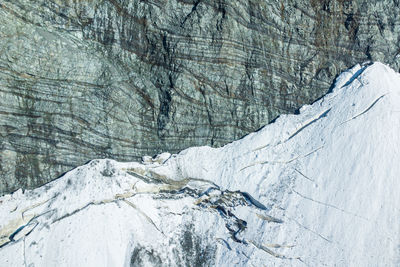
{"type": "Point", "coordinates": [121, 79]}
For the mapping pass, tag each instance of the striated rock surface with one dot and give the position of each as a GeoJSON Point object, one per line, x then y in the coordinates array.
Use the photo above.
{"type": "Point", "coordinates": [120, 79]}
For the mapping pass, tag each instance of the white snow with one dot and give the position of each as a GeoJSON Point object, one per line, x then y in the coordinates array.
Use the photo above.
{"type": "Point", "coordinates": [316, 189]}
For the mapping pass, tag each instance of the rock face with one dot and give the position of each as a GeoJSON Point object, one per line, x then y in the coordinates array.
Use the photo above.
{"type": "Point", "coordinates": [124, 78]}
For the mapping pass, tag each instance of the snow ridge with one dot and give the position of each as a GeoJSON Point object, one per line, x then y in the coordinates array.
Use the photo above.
{"type": "Point", "coordinates": [315, 189]}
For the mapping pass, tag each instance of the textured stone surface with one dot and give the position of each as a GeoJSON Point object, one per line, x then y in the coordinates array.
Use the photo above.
{"type": "Point", "coordinates": [120, 79]}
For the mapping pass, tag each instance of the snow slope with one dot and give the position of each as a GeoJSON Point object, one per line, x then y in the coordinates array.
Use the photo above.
{"type": "Point", "coordinates": [316, 189]}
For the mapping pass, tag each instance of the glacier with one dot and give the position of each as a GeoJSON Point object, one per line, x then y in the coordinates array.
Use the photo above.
{"type": "Point", "coordinates": [319, 188]}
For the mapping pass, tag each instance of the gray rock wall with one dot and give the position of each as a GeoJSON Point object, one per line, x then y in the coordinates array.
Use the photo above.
{"type": "Point", "coordinates": [118, 79]}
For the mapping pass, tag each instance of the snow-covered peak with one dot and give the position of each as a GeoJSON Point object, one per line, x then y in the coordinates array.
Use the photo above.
{"type": "Point", "coordinates": [316, 189]}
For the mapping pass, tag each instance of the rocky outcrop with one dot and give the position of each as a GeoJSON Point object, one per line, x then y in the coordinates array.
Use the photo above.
{"type": "Point", "coordinates": [124, 78]}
